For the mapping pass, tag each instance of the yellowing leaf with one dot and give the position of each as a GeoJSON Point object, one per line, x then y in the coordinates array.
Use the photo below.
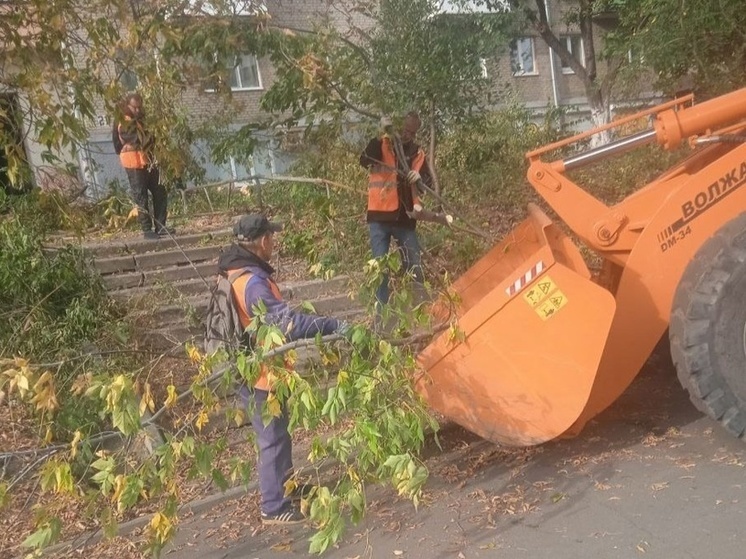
{"type": "Point", "coordinates": [161, 527]}
{"type": "Point", "coordinates": [21, 363]}
{"type": "Point", "coordinates": [74, 444]}
{"type": "Point", "coordinates": [202, 420]}
{"type": "Point", "coordinates": [146, 402]}
{"type": "Point", "coordinates": [45, 398]}
{"type": "Point", "coordinates": [57, 476]}
{"type": "Point", "coordinates": [171, 398]}
{"type": "Point", "coordinates": [18, 380]}
{"type": "Point", "coordinates": [290, 486]}
{"type": "Point", "coordinates": [273, 406]}
{"type": "Point", "coordinates": [194, 354]}
{"type": "Point", "coordinates": [118, 487]}
{"type": "Point", "coordinates": [239, 417]}
{"type": "Point", "coordinates": [81, 384]}
{"type": "Point", "coordinates": [131, 215]}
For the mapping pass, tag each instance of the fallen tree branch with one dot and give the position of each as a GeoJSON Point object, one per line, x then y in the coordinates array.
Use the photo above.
{"type": "Point", "coordinates": [282, 178]}
{"type": "Point", "coordinates": [44, 453]}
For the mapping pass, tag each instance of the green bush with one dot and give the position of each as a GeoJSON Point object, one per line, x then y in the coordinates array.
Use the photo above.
{"type": "Point", "coordinates": [483, 159]}
{"type": "Point", "coordinates": [50, 300]}
{"type": "Point", "coordinates": [52, 307]}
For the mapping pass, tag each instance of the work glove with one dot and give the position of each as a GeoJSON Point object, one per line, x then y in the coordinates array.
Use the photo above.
{"type": "Point", "coordinates": [413, 177]}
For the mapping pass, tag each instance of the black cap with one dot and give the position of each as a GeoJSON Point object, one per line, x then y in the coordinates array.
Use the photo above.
{"type": "Point", "coordinates": [253, 226]}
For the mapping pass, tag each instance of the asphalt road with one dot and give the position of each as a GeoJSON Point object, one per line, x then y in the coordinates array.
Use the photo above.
{"type": "Point", "coordinates": [651, 477]}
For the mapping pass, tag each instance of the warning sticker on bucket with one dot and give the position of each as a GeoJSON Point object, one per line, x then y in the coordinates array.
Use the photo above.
{"type": "Point", "coordinates": [545, 298]}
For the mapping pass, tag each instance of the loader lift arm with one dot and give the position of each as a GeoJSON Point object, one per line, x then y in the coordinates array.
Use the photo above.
{"type": "Point", "coordinates": [622, 235]}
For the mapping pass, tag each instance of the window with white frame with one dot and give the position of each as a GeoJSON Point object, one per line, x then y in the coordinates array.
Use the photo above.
{"type": "Point", "coordinates": [573, 43]}
{"type": "Point", "coordinates": [522, 57]}
{"type": "Point", "coordinates": [244, 73]}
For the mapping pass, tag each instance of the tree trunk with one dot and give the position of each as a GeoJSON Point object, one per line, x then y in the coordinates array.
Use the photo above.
{"type": "Point", "coordinates": [600, 115]}
{"type": "Point", "coordinates": [585, 70]}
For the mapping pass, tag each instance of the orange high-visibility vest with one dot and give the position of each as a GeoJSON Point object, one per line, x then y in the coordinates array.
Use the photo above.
{"type": "Point", "coordinates": [239, 279]}
{"type": "Point", "coordinates": [383, 195]}
{"type": "Point", "coordinates": [132, 156]}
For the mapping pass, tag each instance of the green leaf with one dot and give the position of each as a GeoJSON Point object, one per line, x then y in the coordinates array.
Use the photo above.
{"type": "Point", "coordinates": [133, 486]}
{"type": "Point", "coordinates": [219, 479]}
{"type": "Point", "coordinates": [203, 459]}
{"type": "Point", "coordinates": [44, 535]}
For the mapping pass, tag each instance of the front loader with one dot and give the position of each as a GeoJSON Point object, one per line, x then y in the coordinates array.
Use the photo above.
{"type": "Point", "coordinates": [544, 345]}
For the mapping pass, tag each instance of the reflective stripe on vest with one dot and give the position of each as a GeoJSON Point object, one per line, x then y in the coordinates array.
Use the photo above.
{"type": "Point", "coordinates": [239, 279]}
{"type": "Point", "coordinates": [382, 181]}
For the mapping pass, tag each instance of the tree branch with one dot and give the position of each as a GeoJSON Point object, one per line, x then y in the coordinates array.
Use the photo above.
{"type": "Point", "coordinates": [44, 453]}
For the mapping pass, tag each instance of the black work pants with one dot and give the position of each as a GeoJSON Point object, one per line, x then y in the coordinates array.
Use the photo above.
{"type": "Point", "coordinates": [143, 181]}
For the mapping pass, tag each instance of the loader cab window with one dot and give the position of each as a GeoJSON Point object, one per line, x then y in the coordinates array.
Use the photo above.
{"type": "Point", "coordinates": [522, 57]}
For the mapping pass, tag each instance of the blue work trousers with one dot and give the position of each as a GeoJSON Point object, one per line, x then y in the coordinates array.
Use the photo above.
{"type": "Point", "coordinates": [381, 234]}
{"type": "Point", "coordinates": [275, 461]}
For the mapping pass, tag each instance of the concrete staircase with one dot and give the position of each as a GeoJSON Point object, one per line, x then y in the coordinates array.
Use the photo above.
{"type": "Point", "coordinates": [166, 284]}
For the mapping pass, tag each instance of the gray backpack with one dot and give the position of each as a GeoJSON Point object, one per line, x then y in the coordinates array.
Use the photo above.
{"type": "Point", "coordinates": [222, 324]}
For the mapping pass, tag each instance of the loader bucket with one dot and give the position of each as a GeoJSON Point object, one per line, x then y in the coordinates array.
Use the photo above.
{"type": "Point", "coordinates": [532, 330]}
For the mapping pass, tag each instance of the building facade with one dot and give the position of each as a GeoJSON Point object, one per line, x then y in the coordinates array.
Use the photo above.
{"type": "Point", "coordinates": [528, 67]}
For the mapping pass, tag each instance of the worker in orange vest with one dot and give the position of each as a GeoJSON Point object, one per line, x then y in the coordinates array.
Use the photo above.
{"type": "Point", "coordinates": [392, 195]}
{"type": "Point", "coordinates": [134, 146]}
{"type": "Point", "coordinates": [246, 264]}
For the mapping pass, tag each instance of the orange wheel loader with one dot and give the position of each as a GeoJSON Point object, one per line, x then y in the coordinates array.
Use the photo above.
{"type": "Point", "coordinates": [544, 345]}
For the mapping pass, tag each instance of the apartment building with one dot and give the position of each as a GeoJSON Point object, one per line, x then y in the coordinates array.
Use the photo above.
{"type": "Point", "coordinates": [248, 80]}
{"type": "Point", "coordinates": [540, 79]}
{"type": "Point", "coordinates": [528, 66]}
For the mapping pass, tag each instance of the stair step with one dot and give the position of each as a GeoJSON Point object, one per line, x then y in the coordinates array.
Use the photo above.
{"type": "Point", "coordinates": [155, 260]}
{"type": "Point", "coordinates": [138, 245]}
{"type": "Point", "coordinates": [196, 306]}
{"type": "Point", "coordinates": [168, 282]}
{"type": "Point", "coordinates": [189, 287]}
{"type": "Point", "coordinates": [179, 332]}
{"type": "Point", "coordinates": [303, 290]}
{"type": "Point", "coordinates": [155, 277]}
{"type": "Point", "coordinates": [309, 290]}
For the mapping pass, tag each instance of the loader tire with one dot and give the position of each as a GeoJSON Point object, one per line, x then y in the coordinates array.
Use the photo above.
{"type": "Point", "coordinates": [707, 330]}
